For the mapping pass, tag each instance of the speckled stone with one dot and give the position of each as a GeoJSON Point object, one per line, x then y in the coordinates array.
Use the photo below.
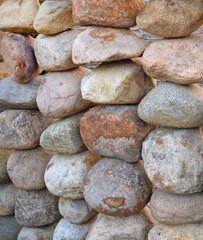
{"type": "Point", "coordinates": [3, 70]}
{"type": "Point", "coordinates": [4, 155]}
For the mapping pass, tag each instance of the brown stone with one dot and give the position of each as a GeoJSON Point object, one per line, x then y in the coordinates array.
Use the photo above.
{"type": "Point", "coordinates": [2, 34]}
{"type": "Point", "coordinates": [59, 94]}
{"type": "Point", "coordinates": [21, 129]}
{"type": "Point", "coordinates": [120, 13]}
{"type": "Point", "coordinates": [114, 131]}
{"type": "Point", "coordinates": [4, 155]}
{"type": "Point", "coordinates": [171, 18]}
{"type": "Point", "coordinates": [3, 71]}
{"type": "Point", "coordinates": [26, 168]}
{"type": "Point", "coordinates": [117, 188]}
{"type": "Point", "coordinates": [19, 58]}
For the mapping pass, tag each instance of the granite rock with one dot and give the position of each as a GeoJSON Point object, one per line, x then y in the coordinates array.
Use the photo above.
{"type": "Point", "coordinates": [4, 155]}
{"type": "Point", "coordinates": [9, 228]}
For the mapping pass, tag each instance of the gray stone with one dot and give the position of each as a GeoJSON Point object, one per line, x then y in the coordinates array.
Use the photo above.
{"type": "Point", "coordinates": [173, 209]}
{"type": "Point", "coordinates": [7, 199]}
{"type": "Point", "coordinates": [75, 211]}
{"type": "Point", "coordinates": [172, 105]}
{"type": "Point", "coordinates": [4, 155]}
{"type": "Point", "coordinates": [121, 82]}
{"type": "Point", "coordinates": [65, 173]}
{"type": "Point", "coordinates": [173, 159]}
{"type": "Point", "coordinates": [9, 228]}
{"type": "Point", "coordinates": [64, 136]}
{"type": "Point", "coordinates": [135, 227]}
{"type": "Point", "coordinates": [101, 44]}
{"type": "Point", "coordinates": [54, 53]}
{"type": "Point", "coordinates": [20, 96]}
{"type": "Point", "coordinates": [36, 208]}
{"type": "Point", "coordinates": [177, 232]}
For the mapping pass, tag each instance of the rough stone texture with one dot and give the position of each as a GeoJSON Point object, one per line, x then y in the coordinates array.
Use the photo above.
{"type": "Point", "coordinates": [54, 53]}
{"type": "Point", "coordinates": [65, 173]}
{"type": "Point", "coordinates": [106, 13]}
{"type": "Point", "coordinates": [3, 70]}
{"type": "Point", "coordinates": [107, 228]}
{"type": "Point", "coordinates": [173, 105]}
{"type": "Point", "coordinates": [19, 58]}
{"type": "Point", "coordinates": [4, 155]}
{"type": "Point", "coordinates": [2, 34]}
{"type": "Point", "coordinates": [7, 199]}
{"type": "Point", "coordinates": [117, 188]}
{"type": "Point", "coordinates": [75, 211]}
{"type": "Point", "coordinates": [26, 168]}
{"type": "Point", "coordinates": [21, 129]}
{"type": "Point", "coordinates": [114, 131]}
{"type": "Point", "coordinates": [54, 17]}
{"type": "Point", "coordinates": [121, 82]}
{"type": "Point", "coordinates": [59, 94]}
{"type": "Point", "coordinates": [173, 159]}
{"type": "Point", "coordinates": [176, 60]}
{"type": "Point", "coordinates": [39, 233]}
{"type": "Point", "coordinates": [9, 228]}
{"type": "Point", "coordinates": [36, 208]}
{"type": "Point", "coordinates": [100, 44]}
{"type": "Point", "coordinates": [171, 18]}
{"type": "Point", "coordinates": [171, 208]}
{"type": "Point", "coordinates": [177, 232]}
{"type": "Point", "coordinates": [20, 96]}
{"type": "Point", "coordinates": [18, 15]}
{"type": "Point", "coordinates": [64, 136]}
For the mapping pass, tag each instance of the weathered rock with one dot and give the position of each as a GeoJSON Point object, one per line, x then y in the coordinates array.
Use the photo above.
{"type": "Point", "coordinates": [117, 188]}
{"type": "Point", "coordinates": [176, 60]}
{"type": "Point", "coordinates": [19, 58]}
{"type": "Point", "coordinates": [69, 231]}
{"type": "Point", "coordinates": [7, 199]}
{"type": "Point", "coordinates": [171, 18]}
{"type": "Point", "coordinates": [75, 211]}
{"type": "Point", "coordinates": [65, 173]}
{"type": "Point", "coordinates": [38, 233]}
{"type": "Point", "coordinates": [54, 16]}
{"type": "Point", "coordinates": [119, 228]}
{"type": "Point", "coordinates": [173, 105]}
{"type": "Point", "coordinates": [100, 44]}
{"type": "Point", "coordinates": [106, 13]}
{"type": "Point", "coordinates": [3, 71]}
{"type": "Point", "coordinates": [9, 228]}
{"type": "Point", "coordinates": [2, 34]}
{"type": "Point", "coordinates": [18, 15]}
{"type": "Point", "coordinates": [171, 208]}
{"type": "Point", "coordinates": [21, 129]}
{"type": "Point", "coordinates": [114, 131]}
{"type": "Point", "coordinates": [59, 94]}
{"type": "Point", "coordinates": [176, 232]}
{"type": "Point", "coordinates": [20, 96]}
{"type": "Point", "coordinates": [173, 159]}
{"type": "Point", "coordinates": [4, 155]}
{"type": "Point", "coordinates": [26, 168]}
{"type": "Point", "coordinates": [54, 53]}
{"type": "Point", "coordinates": [64, 136]}
{"type": "Point", "coordinates": [121, 82]}
{"type": "Point", "coordinates": [36, 208]}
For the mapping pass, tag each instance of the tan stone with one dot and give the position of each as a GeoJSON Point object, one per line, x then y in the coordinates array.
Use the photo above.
{"type": "Point", "coordinates": [3, 71]}
{"type": "Point", "coordinates": [4, 155]}
{"type": "Point", "coordinates": [2, 34]}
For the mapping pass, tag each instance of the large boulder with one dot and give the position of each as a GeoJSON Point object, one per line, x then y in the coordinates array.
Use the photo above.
{"type": "Point", "coordinates": [9, 228]}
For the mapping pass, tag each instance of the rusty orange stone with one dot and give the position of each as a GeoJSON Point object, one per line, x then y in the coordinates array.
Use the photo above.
{"type": "Point", "coordinates": [120, 13]}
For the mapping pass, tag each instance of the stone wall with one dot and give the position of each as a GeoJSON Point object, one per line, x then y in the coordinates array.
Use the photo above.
{"type": "Point", "coordinates": [101, 120]}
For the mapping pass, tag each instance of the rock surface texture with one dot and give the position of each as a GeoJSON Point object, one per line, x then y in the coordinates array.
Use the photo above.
{"type": "Point", "coordinates": [3, 70]}
{"type": "Point", "coordinates": [4, 156]}
{"type": "Point", "coordinates": [9, 228]}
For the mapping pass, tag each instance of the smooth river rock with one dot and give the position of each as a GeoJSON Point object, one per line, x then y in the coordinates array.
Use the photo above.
{"type": "Point", "coordinates": [173, 159]}
{"type": "Point", "coordinates": [21, 129]}
{"type": "Point", "coordinates": [177, 60]}
{"type": "Point", "coordinates": [26, 168]}
{"type": "Point", "coordinates": [3, 70]}
{"type": "Point", "coordinates": [121, 82]}
{"type": "Point", "coordinates": [54, 17]}
{"type": "Point", "coordinates": [63, 136]}
{"type": "Point", "coordinates": [4, 156]}
{"type": "Point", "coordinates": [9, 228]}
{"type": "Point", "coordinates": [169, 208]}
{"type": "Point", "coordinates": [117, 188]}
{"type": "Point", "coordinates": [171, 18]}
{"type": "Point", "coordinates": [59, 94]}
{"type": "Point", "coordinates": [173, 105]}
{"type": "Point", "coordinates": [36, 208]}
{"type": "Point", "coordinates": [114, 131]}
{"type": "Point", "coordinates": [100, 44]}
{"type": "Point", "coordinates": [54, 53]}
{"type": "Point", "coordinates": [75, 211]}
{"type": "Point", "coordinates": [65, 173]}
